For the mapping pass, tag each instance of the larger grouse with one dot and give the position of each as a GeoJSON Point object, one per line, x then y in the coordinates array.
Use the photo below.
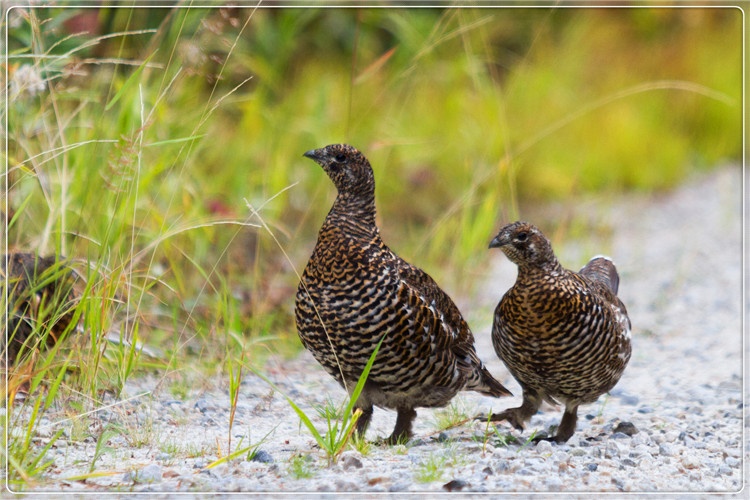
{"type": "Point", "coordinates": [565, 336]}
{"type": "Point", "coordinates": [355, 291]}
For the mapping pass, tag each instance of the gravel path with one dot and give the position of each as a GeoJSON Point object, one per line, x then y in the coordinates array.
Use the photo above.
{"type": "Point", "coordinates": [679, 257]}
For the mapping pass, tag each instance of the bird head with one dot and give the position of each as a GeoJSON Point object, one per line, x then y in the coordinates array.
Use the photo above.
{"type": "Point", "coordinates": [524, 245]}
{"type": "Point", "coordinates": [348, 168]}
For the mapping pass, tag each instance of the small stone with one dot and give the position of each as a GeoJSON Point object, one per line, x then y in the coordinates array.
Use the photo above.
{"type": "Point", "coordinates": [592, 466]}
{"type": "Point", "coordinates": [732, 462]}
{"type": "Point", "coordinates": [149, 474]}
{"type": "Point", "coordinates": [629, 462]}
{"type": "Point", "coordinates": [642, 439]}
{"type": "Point", "coordinates": [672, 436]}
{"type": "Point", "coordinates": [691, 462]}
{"type": "Point", "coordinates": [665, 450]}
{"type": "Point", "coordinates": [456, 485]}
{"type": "Point", "coordinates": [619, 484]}
{"type": "Point", "coordinates": [263, 457]}
{"type": "Point", "coordinates": [215, 476]}
{"type": "Point", "coordinates": [698, 445]}
{"type": "Point", "coordinates": [639, 451]}
{"type": "Point", "coordinates": [626, 428]}
{"type": "Point", "coordinates": [503, 466]}
{"type": "Point", "coordinates": [578, 452]}
{"type": "Point", "coordinates": [372, 480]}
{"type": "Point", "coordinates": [442, 437]}
{"type": "Point", "coordinates": [203, 406]}
{"type": "Point", "coordinates": [544, 447]}
{"type": "Point", "coordinates": [723, 470]}
{"type": "Point", "coordinates": [611, 450]}
{"type": "Point", "coordinates": [645, 409]}
{"type": "Point", "coordinates": [351, 462]}
{"type": "Point", "coordinates": [342, 485]}
{"type": "Point", "coordinates": [620, 435]}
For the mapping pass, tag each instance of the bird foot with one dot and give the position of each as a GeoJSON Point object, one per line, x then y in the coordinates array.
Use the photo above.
{"type": "Point", "coordinates": [393, 440]}
{"type": "Point", "coordinates": [542, 436]}
{"type": "Point", "coordinates": [510, 415]}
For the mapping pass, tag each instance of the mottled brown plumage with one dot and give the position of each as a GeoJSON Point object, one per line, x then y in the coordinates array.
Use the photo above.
{"type": "Point", "coordinates": [41, 302]}
{"type": "Point", "coordinates": [564, 336]}
{"type": "Point", "coordinates": [356, 291]}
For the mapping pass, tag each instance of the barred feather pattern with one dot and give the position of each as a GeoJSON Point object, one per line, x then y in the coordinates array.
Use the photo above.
{"type": "Point", "coordinates": [564, 336]}
{"type": "Point", "coordinates": [355, 291]}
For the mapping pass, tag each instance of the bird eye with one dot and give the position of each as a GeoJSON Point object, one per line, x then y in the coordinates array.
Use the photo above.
{"type": "Point", "coordinates": [522, 236]}
{"type": "Point", "coordinates": [341, 158]}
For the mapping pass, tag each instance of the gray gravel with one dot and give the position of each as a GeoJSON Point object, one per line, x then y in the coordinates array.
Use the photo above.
{"type": "Point", "coordinates": [674, 423]}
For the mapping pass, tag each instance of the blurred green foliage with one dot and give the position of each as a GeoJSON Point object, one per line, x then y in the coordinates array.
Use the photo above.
{"type": "Point", "coordinates": [156, 124]}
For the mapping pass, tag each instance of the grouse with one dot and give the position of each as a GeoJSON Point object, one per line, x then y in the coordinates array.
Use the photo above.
{"type": "Point", "coordinates": [564, 336]}
{"type": "Point", "coordinates": [355, 291]}
{"type": "Point", "coordinates": [41, 302]}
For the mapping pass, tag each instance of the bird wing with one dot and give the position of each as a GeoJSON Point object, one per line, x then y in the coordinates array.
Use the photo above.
{"type": "Point", "coordinates": [459, 337]}
{"type": "Point", "coordinates": [602, 270]}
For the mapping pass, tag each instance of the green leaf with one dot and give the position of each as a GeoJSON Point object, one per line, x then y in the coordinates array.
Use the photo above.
{"type": "Point", "coordinates": [336, 438]}
{"type": "Point", "coordinates": [361, 382]}
{"type": "Point", "coordinates": [132, 79]}
{"type": "Point", "coordinates": [174, 141]}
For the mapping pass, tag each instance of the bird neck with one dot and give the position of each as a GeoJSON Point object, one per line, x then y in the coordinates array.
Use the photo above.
{"type": "Point", "coordinates": [534, 270]}
{"type": "Point", "coordinates": [355, 213]}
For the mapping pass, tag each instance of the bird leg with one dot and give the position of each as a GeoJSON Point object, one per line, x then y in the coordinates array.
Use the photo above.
{"type": "Point", "coordinates": [364, 420]}
{"type": "Point", "coordinates": [402, 431]}
{"type": "Point", "coordinates": [517, 416]}
{"type": "Point", "coordinates": [565, 430]}
{"type": "Point", "coordinates": [567, 425]}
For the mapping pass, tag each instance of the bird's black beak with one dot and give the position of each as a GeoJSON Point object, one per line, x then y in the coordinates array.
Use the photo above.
{"type": "Point", "coordinates": [313, 154]}
{"type": "Point", "coordinates": [497, 242]}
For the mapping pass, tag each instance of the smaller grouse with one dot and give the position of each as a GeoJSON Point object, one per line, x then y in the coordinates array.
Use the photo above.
{"type": "Point", "coordinates": [41, 302]}
{"type": "Point", "coordinates": [355, 291]}
{"type": "Point", "coordinates": [564, 336]}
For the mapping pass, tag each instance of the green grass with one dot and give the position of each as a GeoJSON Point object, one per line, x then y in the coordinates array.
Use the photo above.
{"type": "Point", "coordinates": [300, 467]}
{"type": "Point", "coordinates": [453, 415]}
{"type": "Point", "coordinates": [435, 465]}
{"type": "Point", "coordinates": [163, 156]}
{"type": "Point", "coordinates": [432, 468]}
{"type": "Point", "coordinates": [340, 423]}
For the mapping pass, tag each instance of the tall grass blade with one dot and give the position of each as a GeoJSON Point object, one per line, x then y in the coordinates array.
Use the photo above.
{"type": "Point", "coordinates": [335, 440]}
{"type": "Point", "coordinates": [132, 80]}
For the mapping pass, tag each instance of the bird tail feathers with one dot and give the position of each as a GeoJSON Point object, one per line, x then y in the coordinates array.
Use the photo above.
{"type": "Point", "coordinates": [484, 383]}
{"type": "Point", "coordinates": [603, 270]}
